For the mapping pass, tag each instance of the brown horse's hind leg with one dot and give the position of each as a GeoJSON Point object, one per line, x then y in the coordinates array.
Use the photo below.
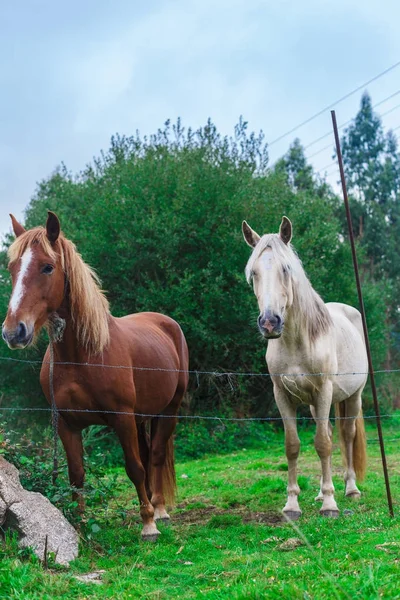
{"type": "Point", "coordinates": [126, 430]}
{"type": "Point", "coordinates": [144, 451]}
{"type": "Point", "coordinates": [72, 442]}
{"type": "Point", "coordinates": [162, 465]}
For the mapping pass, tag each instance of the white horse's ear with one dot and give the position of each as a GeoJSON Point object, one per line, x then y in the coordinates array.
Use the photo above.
{"type": "Point", "coordinates": [250, 236]}
{"type": "Point", "coordinates": [285, 230]}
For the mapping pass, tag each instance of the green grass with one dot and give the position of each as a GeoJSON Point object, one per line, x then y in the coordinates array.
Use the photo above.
{"type": "Point", "coordinates": [227, 539]}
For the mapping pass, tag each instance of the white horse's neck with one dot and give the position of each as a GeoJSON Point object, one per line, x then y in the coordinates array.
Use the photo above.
{"type": "Point", "coordinates": [307, 318]}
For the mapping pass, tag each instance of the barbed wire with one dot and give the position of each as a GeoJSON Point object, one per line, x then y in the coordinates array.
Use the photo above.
{"type": "Point", "coordinates": [268, 441]}
{"type": "Point", "coordinates": [193, 417]}
{"type": "Point", "coordinates": [197, 372]}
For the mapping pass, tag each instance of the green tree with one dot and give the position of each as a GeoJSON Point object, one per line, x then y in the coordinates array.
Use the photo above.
{"type": "Point", "coordinates": [160, 220]}
{"type": "Point", "coordinates": [372, 167]}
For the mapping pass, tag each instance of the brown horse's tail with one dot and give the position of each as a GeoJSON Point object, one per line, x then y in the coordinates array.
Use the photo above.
{"type": "Point", "coordinates": [168, 471]}
{"type": "Point", "coordinates": [360, 440]}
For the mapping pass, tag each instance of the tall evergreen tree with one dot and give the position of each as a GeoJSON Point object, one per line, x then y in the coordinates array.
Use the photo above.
{"type": "Point", "coordinates": [372, 166]}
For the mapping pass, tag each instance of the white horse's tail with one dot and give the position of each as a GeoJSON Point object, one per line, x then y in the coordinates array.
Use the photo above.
{"type": "Point", "coordinates": [359, 443]}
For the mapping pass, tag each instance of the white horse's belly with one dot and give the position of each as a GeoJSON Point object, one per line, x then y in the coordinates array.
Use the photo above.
{"type": "Point", "coordinates": [352, 363]}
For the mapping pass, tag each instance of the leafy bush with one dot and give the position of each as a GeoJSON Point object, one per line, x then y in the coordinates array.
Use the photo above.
{"type": "Point", "coordinates": [160, 220]}
{"type": "Point", "coordinates": [34, 461]}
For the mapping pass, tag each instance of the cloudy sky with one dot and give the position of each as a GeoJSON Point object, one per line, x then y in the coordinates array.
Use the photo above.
{"type": "Point", "coordinates": [74, 73]}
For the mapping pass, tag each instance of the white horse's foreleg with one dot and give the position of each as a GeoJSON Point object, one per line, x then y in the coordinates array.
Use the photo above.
{"type": "Point", "coordinates": [323, 446]}
{"type": "Point", "coordinates": [292, 446]}
{"type": "Point", "coordinates": [353, 407]}
{"type": "Point", "coordinates": [320, 496]}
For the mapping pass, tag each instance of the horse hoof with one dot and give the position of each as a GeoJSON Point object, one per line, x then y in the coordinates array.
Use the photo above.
{"type": "Point", "coordinates": [292, 515]}
{"type": "Point", "coordinates": [164, 520]}
{"type": "Point", "coordinates": [354, 495]}
{"type": "Point", "coordinates": [150, 537]}
{"type": "Point", "coordinates": [329, 513]}
{"type": "Point", "coordinates": [319, 498]}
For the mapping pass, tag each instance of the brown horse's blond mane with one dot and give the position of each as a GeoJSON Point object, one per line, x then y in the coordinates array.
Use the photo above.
{"type": "Point", "coordinates": [316, 319]}
{"type": "Point", "coordinates": [88, 304]}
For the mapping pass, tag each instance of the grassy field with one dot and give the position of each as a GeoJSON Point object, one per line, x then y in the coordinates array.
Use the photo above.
{"type": "Point", "coordinates": [228, 540]}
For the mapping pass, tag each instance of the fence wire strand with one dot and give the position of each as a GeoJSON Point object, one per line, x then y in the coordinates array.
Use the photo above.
{"type": "Point", "coordinates": [204, 417]}
{"type": "Point", "coordinates": [215, 373]}
{"type": "Point", "coordinates": [197, 372]}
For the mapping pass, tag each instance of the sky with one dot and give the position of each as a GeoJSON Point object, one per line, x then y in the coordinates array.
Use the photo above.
{"type": "Point", "coordinates": [73, 74]}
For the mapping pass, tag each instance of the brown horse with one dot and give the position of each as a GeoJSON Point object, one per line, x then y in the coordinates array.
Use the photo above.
{"type": "Point", "coordinates": [51, 283]}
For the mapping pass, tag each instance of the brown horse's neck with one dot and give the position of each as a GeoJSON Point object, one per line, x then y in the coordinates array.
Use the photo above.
{"type": "Point", "coordinates": [69, 348]}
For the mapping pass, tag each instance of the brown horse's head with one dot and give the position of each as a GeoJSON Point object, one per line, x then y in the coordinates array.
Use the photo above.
{"type": "Point", "coordinates": [38, 278]}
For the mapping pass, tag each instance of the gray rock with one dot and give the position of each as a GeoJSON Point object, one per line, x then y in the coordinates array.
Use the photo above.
{"type": "Point", "coordinates": [95, 577]}
{"type": "Point", "coordinates": [34, 517]}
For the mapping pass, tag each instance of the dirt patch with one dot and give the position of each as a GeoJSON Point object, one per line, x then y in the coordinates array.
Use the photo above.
{"type": "Point", "coordinates": [269, 518]}
{"type": "Point", "coordinates": [200, 516]}
{"type": "Point", "coordinates": [197, 516]}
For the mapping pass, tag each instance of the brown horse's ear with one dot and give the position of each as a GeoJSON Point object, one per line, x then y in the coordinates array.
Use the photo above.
{"type": "Point", "coordinates": [285, 230]}
{"type": "Point", "coordinates": [17, 227]}
{"type": "Point", "coordinates": [250, 236]}
{"type": "Point", "coordinates": [52, 227]}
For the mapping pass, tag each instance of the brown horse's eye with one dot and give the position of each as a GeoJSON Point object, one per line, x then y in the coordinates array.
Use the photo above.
{"type": "Point", "coordinates": [47, 269]}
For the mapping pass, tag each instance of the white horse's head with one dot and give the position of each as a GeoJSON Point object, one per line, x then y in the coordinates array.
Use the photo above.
{"type": "Point", "coordinates": [270, 269]}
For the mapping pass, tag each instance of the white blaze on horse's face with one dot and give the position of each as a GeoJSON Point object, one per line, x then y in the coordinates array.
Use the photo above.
{"type": "Point", "coordinates": [18, 290]}
{"type": "Point", "coordinates": [273, 289]}
{"type": "Point", "coordinates": [37, 280]}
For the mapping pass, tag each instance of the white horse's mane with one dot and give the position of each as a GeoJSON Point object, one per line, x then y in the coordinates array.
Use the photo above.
{"type": "Point", "coordinates": [309, 311]}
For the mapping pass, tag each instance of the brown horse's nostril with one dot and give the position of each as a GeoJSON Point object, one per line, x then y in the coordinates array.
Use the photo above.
{"type": "Point", "coordinates": [20, 334]}
{"type": "Point", "coordinates": [19, 337]}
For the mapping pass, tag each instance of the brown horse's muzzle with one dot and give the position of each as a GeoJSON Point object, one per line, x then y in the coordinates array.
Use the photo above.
{"type": "Point", "coordinates": [18, 337]}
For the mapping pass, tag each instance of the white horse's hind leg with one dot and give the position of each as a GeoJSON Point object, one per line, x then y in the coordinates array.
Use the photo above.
{"type": "Point", "coordinates": [320, 496]}
{"type": "Point", "coordinates": [353, 407]}
{"type": "Point", "coordinates": [292, 446]}
{"type": "Point", "coordinates": [323, 446]}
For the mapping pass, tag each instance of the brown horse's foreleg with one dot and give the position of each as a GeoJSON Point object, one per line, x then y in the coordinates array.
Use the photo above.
{"type": "Point", "coordinates": [323, 446]}
{"type": "Point", "coordinates": [72, 442]}
{"type": "Point", "coordinates": [126, 430]}
{"type": "Point", "coordinates": [162, 465]}
{"type": "Point", "coordinates": [292, 445]}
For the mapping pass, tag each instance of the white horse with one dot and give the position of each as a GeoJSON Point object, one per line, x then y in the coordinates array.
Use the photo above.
{"type": "Point", "coordinates": [309, 343]}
